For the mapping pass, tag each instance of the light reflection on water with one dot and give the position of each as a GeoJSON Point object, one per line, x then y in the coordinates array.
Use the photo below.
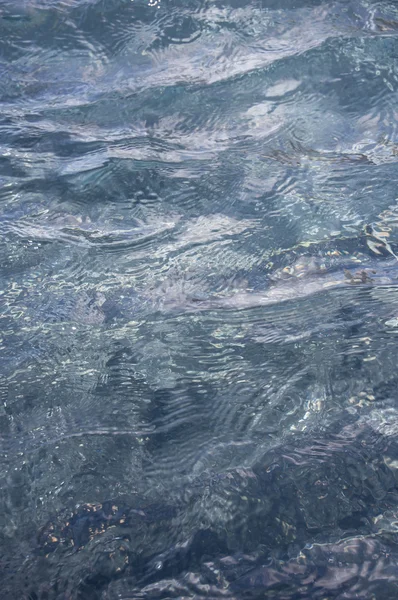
{"type": "Point", "coordinates": [198, 296]}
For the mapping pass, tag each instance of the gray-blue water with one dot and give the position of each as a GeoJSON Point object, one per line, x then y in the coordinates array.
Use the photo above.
{"type": "Point", "coordinates": [198, 299]}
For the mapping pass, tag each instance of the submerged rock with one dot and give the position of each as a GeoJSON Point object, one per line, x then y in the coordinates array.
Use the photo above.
{"type": "Point", "coordinates": [295, 288]}
{"type": "Point", "coordinates": [246, 530]}
{"type": "Point", "coordinates": [307, 276]}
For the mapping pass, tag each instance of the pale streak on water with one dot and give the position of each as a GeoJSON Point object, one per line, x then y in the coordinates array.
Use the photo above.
{"type": "Point", "coordinates": [198, 299]}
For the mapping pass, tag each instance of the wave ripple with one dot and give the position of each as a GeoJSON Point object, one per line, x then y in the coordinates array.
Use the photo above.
{"type": "Point", "coordinates": [198, 299]}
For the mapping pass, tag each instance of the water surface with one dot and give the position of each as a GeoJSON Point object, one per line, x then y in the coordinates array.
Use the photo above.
{"type": "Point", "coordinates": [198, 299]}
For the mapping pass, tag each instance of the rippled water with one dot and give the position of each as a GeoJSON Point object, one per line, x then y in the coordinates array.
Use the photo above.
{"type": "Point", "coordinates": [199, 299]}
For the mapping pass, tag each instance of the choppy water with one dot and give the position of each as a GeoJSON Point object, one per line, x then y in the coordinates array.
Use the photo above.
{"type": "Point", "coordinates": [198, 299]}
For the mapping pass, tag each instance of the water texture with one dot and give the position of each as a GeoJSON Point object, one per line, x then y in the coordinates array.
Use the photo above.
{"type": "Point", "coordinates": [198, 299]}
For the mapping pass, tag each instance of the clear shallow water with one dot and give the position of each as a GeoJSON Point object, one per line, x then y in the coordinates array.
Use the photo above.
{"type": "Point", "coordinates": [199, 302]}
